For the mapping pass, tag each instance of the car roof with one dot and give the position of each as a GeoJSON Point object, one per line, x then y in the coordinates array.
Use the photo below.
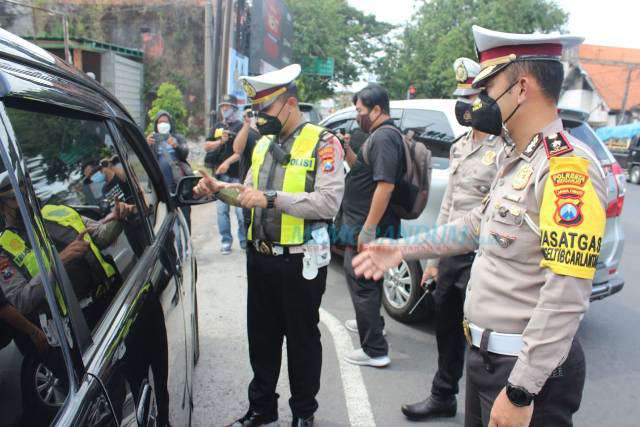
{"type": "Point", "coordinates": [446, 106]}
{"type": "Point", "coordinates": [29, 71]}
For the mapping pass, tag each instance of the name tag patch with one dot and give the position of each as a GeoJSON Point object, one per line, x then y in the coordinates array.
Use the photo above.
{"type": "Point", "coordinates": [308, 164]}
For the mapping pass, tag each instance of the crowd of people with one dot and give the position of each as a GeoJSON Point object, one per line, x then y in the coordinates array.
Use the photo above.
{"type": "Point", "coordinates": [508, 288]}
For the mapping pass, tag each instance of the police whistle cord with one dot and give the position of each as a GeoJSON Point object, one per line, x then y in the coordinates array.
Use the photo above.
{"type": "Point", "coordinates": [426, 292]}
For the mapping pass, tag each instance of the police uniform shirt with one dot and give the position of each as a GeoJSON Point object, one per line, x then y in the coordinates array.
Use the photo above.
{"type": "Point", "coordinates": [28, 294]}
{"type": "Point", "coordinates": [472, 167]}
{"type": "Point", "coordinates": [538, 236]}
{"type": "Point", "coordinates": [320, 204]}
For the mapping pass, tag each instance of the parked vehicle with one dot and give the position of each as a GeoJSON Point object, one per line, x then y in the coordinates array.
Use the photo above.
{"type": "Point", "coordinates": [122, 354]}
{"type": "Point", "coordinates": [401, 285]}
{"type": "Point", "coordinates": [310, 112]}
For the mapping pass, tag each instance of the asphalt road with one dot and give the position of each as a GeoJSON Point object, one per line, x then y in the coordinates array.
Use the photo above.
{"type": "Point", "coordinates": [608, 334]}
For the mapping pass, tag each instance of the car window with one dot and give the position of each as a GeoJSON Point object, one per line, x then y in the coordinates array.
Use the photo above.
{"type": "Point", "coordinates": [33, 373]}
{"type": "Point", "coordinates": [431, 128]}
{"type": "Point", "coordinates": [584, 133]}
{"type": "Point", "coordinates": [88, 203]}
{"type": "Point", "coordinates": [396, 115]}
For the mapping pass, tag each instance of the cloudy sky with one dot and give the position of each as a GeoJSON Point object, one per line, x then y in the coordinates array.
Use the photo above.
{"type": "Point", "coordinates": [610, 22]}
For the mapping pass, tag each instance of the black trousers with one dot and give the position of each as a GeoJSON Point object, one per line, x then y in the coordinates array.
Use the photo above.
{"type": "Point", "coordinates": [448, 295]}
{"type": "Point", "coordinates": [554, 406]}
{"type": "Point", "coordinates": [366, 296]}
{"type": "Point", "coordinates": [280, 302]}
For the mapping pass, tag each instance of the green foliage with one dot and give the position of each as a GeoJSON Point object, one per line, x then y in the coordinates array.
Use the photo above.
{"type": "Point", "coordinates": [441, 32]}
{"type": "Point", "coordinates": [169, 98]}
{"type": "Point", "coordinates": [332, 28]}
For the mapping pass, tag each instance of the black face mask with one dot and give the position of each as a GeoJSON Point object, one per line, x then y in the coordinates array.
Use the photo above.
{"type": "Point", "coordinates": [463, 112]}
{"type": "Point", "coordinates": [486, 115]}
{"type": "Point", "coordinates": [269, 125]}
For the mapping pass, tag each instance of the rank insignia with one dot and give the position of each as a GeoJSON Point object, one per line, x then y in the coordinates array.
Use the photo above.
{"type": "Point", "coordinates": [522, 177]}
{"type": "Point", "coordinates": [461, 73]}
{"type": "Point", "coordinates": [488, 158]}
{"type": "Point", "coordinates": [503, 241]}
{"type": "Point", "coordinates": [556, 145]}
{"type": "Point", "coordinates": [533, 145]}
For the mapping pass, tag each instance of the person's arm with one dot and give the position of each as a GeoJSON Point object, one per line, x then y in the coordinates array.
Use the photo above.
{"type": "Point", "coordinates": [103, 234]}
{"type": "Point", "coordinates": [565, 295]}
{"type": "Point", "coordinates": [10, 315]}
{"type": "Point", "coordinates": [23, 294]}
{"type": "Point", "coordinates": [240, 141]}
{"type": "Point", "coordinates": [224, 166]}
{"type": "Point", "coordinates": [350, 156]}
{"type": "Point", "coordinates": [324, 201]}
{"type": "Point", "coordinates": [379, 203]}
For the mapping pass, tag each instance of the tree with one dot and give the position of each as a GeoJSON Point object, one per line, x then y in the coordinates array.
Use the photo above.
{"type": "Point", "coordinates": [169, 98]}
{"type": "Point", "coordinates": [333, 29]}
{"type": "Point", "coordinates": [441, 32]}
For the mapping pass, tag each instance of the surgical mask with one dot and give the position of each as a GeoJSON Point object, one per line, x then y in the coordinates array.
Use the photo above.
{"type": "Point", "coordinates": [269, 125]}
{"type": "Point", "coordinates": [97, 178]}
{"type": "Point", "coordinates": [228, 114]}
{"type": "Point", "coordinates": [164, 128]}
{"type": "Point", "coordinates": [486, 115]}
{"type": "Point", "coordinates": [463, 112]}
{"type": "Point", "coordinates": [365, 122]}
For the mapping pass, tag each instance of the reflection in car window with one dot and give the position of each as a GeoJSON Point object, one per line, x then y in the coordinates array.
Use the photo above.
{"type": "Point", "coordinates": [86, 201]}
{"type": "Point", "coordinates": [32, 369]}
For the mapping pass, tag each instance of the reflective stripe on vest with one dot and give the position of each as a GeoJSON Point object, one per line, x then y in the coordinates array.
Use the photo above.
{"type": "Point", "coordinates": [295, 177]}
{"type": "Point", "coordinates": [67, 217]}
{"type": "Point", "coordinates": [21, 255]}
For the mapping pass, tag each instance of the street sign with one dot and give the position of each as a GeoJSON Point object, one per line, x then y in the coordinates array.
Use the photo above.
{"type": "Point", "coordinates": [320, 67]}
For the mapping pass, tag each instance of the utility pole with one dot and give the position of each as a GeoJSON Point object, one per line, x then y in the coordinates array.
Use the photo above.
{"type": "Point", "coordinates": [626, 94]}
{"type": "Point", "coordinates": [208, 66]}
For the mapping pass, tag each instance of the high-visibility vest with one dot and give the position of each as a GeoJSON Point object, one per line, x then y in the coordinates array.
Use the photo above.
{"type": "Point", "coordinates": [67, 217]}
{"type": "Point", "coordinates": [302, 161]}
{"type": "Point", "coordinates": [21, 254]}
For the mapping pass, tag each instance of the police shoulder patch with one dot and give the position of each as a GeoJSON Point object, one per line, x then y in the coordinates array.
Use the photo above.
{"type": "Point", "coordinates": [533, 145]}
{"type": "Point", "coordinates": [556, 145]}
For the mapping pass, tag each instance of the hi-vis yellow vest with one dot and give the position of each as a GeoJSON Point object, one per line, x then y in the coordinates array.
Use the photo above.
{"type": "Point", "coordinates": [302, 161]}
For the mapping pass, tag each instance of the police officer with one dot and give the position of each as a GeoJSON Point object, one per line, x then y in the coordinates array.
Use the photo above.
{"type": "Point", "coordinates": [78, 239]}
{"type": "Point", "coordinates": [293, 188]}
{"type": "Point", "coordinates": [538, 236]}
{"type": "Point", "coordinates": [474, 163]}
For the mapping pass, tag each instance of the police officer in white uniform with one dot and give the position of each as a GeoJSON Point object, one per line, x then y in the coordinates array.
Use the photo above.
{"type": "Point", "coordinates": [538, 236]}
{"type": "Point", "coordinates": [294, 188]}
{"type": "Point", "coordinates": [473, 165]}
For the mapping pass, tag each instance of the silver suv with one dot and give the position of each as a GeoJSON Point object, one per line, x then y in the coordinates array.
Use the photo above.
{"type": "Point", "coordinates": [434, 124]}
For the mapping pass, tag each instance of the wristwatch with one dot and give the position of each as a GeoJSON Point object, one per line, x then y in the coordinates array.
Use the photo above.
{"type": "Point", "coordinates": [518, 395]}
{"type": "Point", "coordinates": [271, 198]}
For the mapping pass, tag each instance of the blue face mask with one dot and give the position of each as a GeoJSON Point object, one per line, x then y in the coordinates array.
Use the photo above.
{"type": "Point", "coordinates": [97, 178]}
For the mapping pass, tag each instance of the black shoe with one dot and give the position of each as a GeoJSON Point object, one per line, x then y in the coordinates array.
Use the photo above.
{"type": "Point", "coordinates": [431, 407]}
{"type": "Point", "coordinates": [254, 419]}
{"type": "Point", "coordinates": [302, 422]}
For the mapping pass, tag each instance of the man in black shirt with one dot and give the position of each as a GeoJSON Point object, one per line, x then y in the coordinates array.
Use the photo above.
{"type": "Point", "coordinates": [366, 214]}
{"type": "Point", "coordinates": [224, 164]}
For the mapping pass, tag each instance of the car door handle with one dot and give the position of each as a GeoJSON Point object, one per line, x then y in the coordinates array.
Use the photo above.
{"type": "Point", "coordinates": [142, 411]}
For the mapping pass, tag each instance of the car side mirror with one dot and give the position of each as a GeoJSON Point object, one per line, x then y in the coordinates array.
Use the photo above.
{"type": "Point", "coordinates": [184, 192]}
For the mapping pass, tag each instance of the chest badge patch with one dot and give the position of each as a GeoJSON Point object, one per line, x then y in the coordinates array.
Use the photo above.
{"type": "Point", "coordinates": [503, 240]}
{"type": "Point", "coordinates": [489, 158]}
{"type": "Point", "coordinates": [522, 177]}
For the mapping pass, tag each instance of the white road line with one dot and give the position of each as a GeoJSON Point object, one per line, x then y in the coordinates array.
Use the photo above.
{"type": "Point", "coordinates": [355, 392]}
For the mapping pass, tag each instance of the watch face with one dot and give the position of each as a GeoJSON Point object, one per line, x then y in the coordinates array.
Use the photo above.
{"type": "Point", "coordinates": [518, 396]}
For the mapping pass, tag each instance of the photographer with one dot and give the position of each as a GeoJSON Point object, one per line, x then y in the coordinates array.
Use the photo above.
{"type": "Point", "coordinates": [224, 164]}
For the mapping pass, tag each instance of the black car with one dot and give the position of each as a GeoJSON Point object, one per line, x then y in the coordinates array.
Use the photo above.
{"type": "Point", "coordinates": [120, 316]}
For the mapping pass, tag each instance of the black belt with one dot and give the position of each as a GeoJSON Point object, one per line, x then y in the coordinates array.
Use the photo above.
{"type": "Point", "coordinates": [264, 247]}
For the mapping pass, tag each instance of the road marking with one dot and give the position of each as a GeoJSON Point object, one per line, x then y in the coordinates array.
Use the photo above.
{"type": "Point", "coordinates": [355, 392]}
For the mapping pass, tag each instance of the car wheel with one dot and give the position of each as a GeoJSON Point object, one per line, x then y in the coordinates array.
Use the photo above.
{"type": "Point", "coordinates": [634, 175]}
{"type": "Point", "coordinates": [44, 391]}
{"type": "Point", "coordinates": [401, 292]}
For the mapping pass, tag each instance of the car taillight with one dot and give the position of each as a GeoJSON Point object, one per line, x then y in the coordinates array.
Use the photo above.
{"type": "Point", "coordinates": [615, 207]}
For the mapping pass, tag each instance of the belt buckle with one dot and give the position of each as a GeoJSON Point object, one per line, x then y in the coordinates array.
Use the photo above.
{"type": "Point", "coordinates": [467, 331]}
{"type": "Point", "coordinates": [264, 248]}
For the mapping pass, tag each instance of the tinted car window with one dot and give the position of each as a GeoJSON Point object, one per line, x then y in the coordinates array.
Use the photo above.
{"type": "Point", "coordinates": [432, 128]}
{"type": "Point", "coordinates": [584, 133]}
{"type": "Point", "coordinates": [32, 370]}
{"type": "Point", "coordinates": [87, 202]}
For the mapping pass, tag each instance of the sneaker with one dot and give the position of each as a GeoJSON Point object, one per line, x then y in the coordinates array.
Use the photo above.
{"type": "Point", "coordinates": [359, 357]}
{"type": "Point", "coordinates": [225, 250]}
{"type": "Point", "coordinates": [352, 326]}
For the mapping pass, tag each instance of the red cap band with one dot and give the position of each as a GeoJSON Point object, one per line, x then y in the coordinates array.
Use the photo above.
{"type": "Point", "coordinates": [545, 49]}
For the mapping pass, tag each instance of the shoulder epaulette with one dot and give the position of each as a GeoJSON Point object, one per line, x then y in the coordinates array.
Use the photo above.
{"type": "Point", "coordinates": [533, 145]}
{"type": "Point", "coordinates": [556, 145]}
